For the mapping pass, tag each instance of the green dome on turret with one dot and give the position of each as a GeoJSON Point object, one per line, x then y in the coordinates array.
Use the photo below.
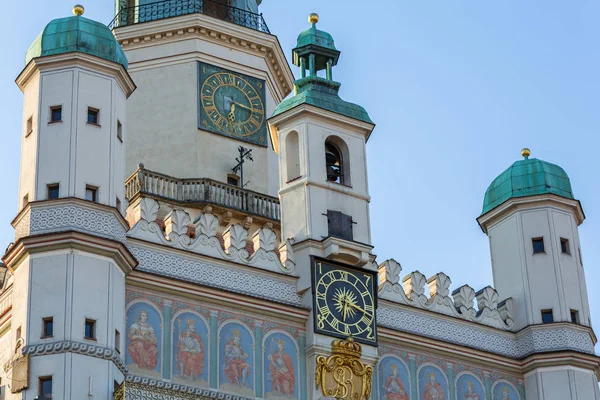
{"type": "Point", "coordinates": [77, 34]}
{"type": "Point", "coordinates": [527, 177]}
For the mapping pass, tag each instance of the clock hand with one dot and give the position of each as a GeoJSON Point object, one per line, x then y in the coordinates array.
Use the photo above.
{"type": "Point", "coordinates": [231, 114]}
{"type": "Point", "coordinates": [357, 307]}
{"type": "Point", "coordinates": [243, 106]}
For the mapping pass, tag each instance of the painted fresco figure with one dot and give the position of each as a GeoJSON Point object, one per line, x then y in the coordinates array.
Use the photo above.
{"type": "Point", "coordinates": [190, 352]}
{"type": "Point", "coordinates": [433, 390]}
{"type": "Point", "coordinates": [283, 375]}
{"type": "Point", "coordinates": [505, 393]}
{"type": "Point", "coordinates": [236, 367]}
{"type": "Point", "coordinates": [394, 388]}
{"type": "Point", "coordinates": [142, 343]}
{"type": "Point", "coordinates": [470, 393]}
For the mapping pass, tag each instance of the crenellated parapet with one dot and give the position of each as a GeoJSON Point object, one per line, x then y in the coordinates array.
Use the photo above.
{"type": "Point", "coordinates": [412, 290]}
{"type": "Point", "coordinates": [206, 234]}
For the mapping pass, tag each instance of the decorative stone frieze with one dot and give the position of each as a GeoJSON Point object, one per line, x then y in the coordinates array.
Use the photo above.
{"type": "Point", "coordinates": [69, 214]}
{"type": "Point", "coordinates": [460, 305]}
{"type": "Point", "coordinates": [534, 339]}
{"type": "Point", "coordinates": [207, 240]}
{"type": "Point", "coordinates": [148, 388]}
{"type": "Point", "coordinates": [69, 346]}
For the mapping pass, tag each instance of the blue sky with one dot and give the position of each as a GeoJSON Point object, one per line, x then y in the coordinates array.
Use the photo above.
{"type": "Point", "coordinates": [456, 89]}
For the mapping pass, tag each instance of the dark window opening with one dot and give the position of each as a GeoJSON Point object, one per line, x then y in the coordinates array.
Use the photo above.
{"type": "Point", "coordinates": [92, 117]}
{"type": "Point", "coordinates": [47, 327]}
{"type": "Point", "coordinates": [547, 316]}
{"type": "Point", "coordinates": [91, 193]}
{"type": "Point", "coordinates": [53, 191]}
{"type": "Point", "coordinates": [333, 163]}
{"type": "Point", "coordinates": [117, 341]}
{"type": "Point", "coordinates": [29, 126]}
{"type": "Point", "coordinates": [45, 388]}
{"type": "Point", "coordinates": [575, 316]}
{"type": "Point", "coordinates": [119, 131]}
{"type": "Point", "coordinates": [564, 246]}
{"type": "Point", "coordinates": [538, 245]}
{"type": "Point", "coordinates": [90, 329]}
{"type": "Point", "coordinates": [339, 225]}
{"type": "Point", "coordinates": [233, 180]}
{"type": "Point", "coordinates": [56, 114]}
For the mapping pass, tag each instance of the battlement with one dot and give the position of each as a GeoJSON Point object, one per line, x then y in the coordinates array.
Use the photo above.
{"type": "Point", "coordinates": [460, 304]}
{"type": "Point", "coordinates": [219, 236]}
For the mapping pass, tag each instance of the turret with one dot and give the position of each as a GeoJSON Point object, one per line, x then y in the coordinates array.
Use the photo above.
{"type": "Point", "coordinates": [321, 141]}
{"type": "Point", "coordinates": [69, 232]}
{"type": "Point", "coordinates": [531, 217]}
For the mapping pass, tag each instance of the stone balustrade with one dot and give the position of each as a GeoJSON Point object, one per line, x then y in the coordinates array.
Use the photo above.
{"type": "Point", "coordinates": [200, 191]}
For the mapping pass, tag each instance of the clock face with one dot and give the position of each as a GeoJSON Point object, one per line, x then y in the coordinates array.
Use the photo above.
{"type": "Point", "coordinates": [232, 104]}
{"type": "Point", "coordinates": [344, 302]}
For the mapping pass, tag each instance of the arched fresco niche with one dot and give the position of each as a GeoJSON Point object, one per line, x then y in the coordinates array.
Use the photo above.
{"type": "Point", "coordinates": [236, 359]}
{"type": "Point", "coordinates": [503, 390]}
{"type": "Point", "coordinates": [280, 361]}
{"type": "Point", "coordinates": [144, 340]}
{"type": "Point", "coordinates": [433, 384]}
{"type": "Point", "coordinates": [469, 387]}
{"type": "Point", "coordinates": [394, 379]}
{"type": "Point", "coordinates": [190, 362]}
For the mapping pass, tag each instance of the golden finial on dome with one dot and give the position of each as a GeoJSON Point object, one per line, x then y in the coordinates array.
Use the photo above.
{"type": "Point", "coordinates": [313, 18]}
{"type": "Point", "coordinates": [526, 152]}
{"type": "Point", "coordinates": [78, 9]}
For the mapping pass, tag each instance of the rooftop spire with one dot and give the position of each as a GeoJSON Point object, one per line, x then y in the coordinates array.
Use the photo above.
{"type": "Point", "coordinates": [526, 153]}
{"type": "Point", "coordinates": [315, 50]}
{"type": "Point", "coordinates": [78, 10]}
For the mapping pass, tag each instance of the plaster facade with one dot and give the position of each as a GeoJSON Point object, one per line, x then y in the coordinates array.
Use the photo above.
{"type": "Point", "coordinates": [202, 289]}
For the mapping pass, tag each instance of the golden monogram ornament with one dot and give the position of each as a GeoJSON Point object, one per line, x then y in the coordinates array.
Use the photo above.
{"type": "Point", "coordinates": [342, 375]}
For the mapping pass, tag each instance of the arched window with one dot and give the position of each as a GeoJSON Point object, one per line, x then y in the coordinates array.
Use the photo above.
{"type": "Point", "coordinates": [334, 163]}
{"type": "Point", "coordinates": [292, 155]}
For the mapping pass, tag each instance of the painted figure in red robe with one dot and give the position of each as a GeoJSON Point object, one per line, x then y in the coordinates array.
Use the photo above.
{"type": "Point", "coordinates": [394, 388]}
{"type": "Point", "coordinates": [283, 376]}
{"type": "Point", "coordinates": [236, 367]}
{"type": "Point", "coordinates": [142, 343]}
{"type": "Point", "coordinates": [433, 390]}
{"type": "Point", "coordinates": [190, 354]}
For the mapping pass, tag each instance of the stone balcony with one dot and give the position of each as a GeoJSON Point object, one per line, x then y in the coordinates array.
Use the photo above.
{"type": "Point", "coordinates": [227, 201]}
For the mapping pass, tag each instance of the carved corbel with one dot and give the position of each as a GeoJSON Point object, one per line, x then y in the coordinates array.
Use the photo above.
{"type": "Point", "coordinates": [389, 271]}
{"type": "Point", "coordinates": [439, 285]}
{"type": "Point", "coordinates": [264, 238]}
{"type": "Point", "coordinates": [206, 224]}
{"type": "Point", "coordinates": [148, 209]}
{"type": "Point", "coordinates": [235, 237]}
{"type": "Point", "coordinates": [464, 298]}
{"type": "Point", "coordinates": [414, 285]}
{"type": "Point", "coordinates": [247, 223]}
{"type": "Point", "coordinates": [505, 308]}
{"type": "Point", "coordinates": [225, 218]}
{"type": "Point", "coordinates": [487, 297]}
{"type": "Point", "coordinates": [176, 222]}
{"type": "Point", "coordinates": [286, 255]}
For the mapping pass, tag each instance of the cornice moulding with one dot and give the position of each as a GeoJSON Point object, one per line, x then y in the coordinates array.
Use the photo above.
{"type": "Point", "coordinates": [81, 60]}
{"type": "Point", "coordinates": [217, 31]}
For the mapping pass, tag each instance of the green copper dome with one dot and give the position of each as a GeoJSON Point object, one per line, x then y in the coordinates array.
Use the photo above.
{"type": "Point", "coordinates": [528, 177]}
{"type": "Point", "coordinates": [77, 34]}
{"type": "Point", "coordinates": [314, 36]}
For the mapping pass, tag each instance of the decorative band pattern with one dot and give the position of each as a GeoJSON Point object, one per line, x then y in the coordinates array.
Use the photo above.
{"type": "Point", "coordinates": [85, 349]}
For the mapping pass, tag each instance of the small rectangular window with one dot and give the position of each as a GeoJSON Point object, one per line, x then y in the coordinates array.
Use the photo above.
{"type": "Point", "coordinates": [564, 246]}
{"type": "Point", "coordinates": [45, 387]}
{"type": "Point", "coordinates": [119, 131]}
{"type": "Point", "coordinates": [93, 116]}
{"type": "Point", "coordinates": [53, 191]}
{"type": "Point", "coordinates": [29, 127]}
{"type": "Point", "coordinates": [55, 114]}
{"type": "Point", "coordinates": [547, 316]}
{"type": "Point", "coordinates": [47, 327]}
{"type": "Point", "coordinates": [90, 329]}
{"type": "Point", "coordinates": [117, 341]}
{"type": "Point", "coordinates": [538, 245]}
{"type": "Point", "coordinates": [91, 193]}
{"type": "Point", "coordinates": [339, 225]}
{"type": "Point", "coordinates": [575, 316]}
{"type": "Point", "coordinates": [233, 180]}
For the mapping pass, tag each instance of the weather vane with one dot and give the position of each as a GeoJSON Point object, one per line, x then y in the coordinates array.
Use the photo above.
{"type": "Point", "coordinates": [245, 154]}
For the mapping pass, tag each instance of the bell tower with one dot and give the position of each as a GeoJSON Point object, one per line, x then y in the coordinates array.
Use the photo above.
{"type": "Point", "coordinates": [321, 142]}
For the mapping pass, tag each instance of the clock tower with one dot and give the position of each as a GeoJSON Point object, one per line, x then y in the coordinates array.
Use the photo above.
{"type": "Point", "coordinates": [321, 142]}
